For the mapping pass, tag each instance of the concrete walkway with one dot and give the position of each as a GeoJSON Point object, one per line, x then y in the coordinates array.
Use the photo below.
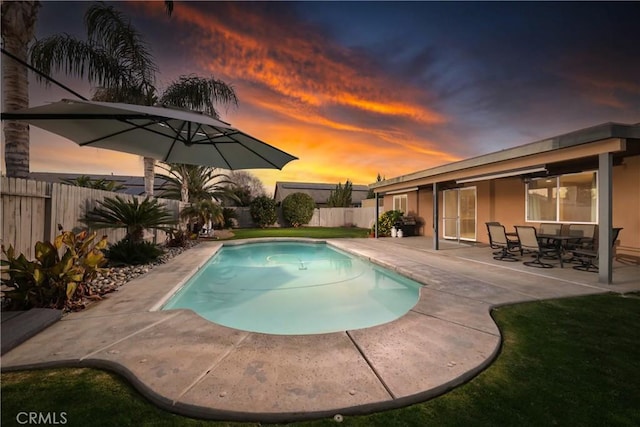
{"type": "Point", "coordinates": [190, 366]}
{"type": "Point", "coordinates": [19, 326]}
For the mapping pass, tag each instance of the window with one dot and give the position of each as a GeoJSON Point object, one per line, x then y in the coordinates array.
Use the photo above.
{"type": "Point", "coordinates": [400, 203]}
{"type": "Point", "coordinates": [565, 198]}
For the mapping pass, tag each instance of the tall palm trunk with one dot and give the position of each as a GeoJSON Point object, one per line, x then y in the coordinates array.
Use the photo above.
{"type": "Point", "coordinates": [149, 175]}
{"type": "Point", "coordinates": [184, 184]}
{"type": "Point", "coordinates": [18, 28]}
{"type": "Point", "coordinates": [184, 191]}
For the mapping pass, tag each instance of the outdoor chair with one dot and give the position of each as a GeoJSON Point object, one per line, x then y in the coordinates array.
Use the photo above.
{"type": "Point", "coordinates": [491, 244]}
{"type": "Point", "coordinates": [207, 233]}
{"type": "Point", "coordinates": [588, 258]}
{"type": "Point", "coordinates": [529, 242]}
{"type": "Point", "coordinates": [498, 238]}
{"type": "Point", "coordinates": [549, 228]}
{"type": "Point", "coordinates": [584, 236]}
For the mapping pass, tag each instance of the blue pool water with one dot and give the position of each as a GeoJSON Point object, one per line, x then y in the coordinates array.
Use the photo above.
{"type": "Point", "coordinates": [293, 288]}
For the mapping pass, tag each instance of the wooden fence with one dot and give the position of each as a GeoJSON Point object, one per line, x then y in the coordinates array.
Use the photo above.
{"type": "Point", "coordinates": [322, 217]}
{"type": "Point", "coordinates": [31, 211]}
{"type": "Point", "coordinates": [343, 217]}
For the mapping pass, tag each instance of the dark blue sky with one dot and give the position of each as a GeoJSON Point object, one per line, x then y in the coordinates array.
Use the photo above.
{"type": "Point", "coordinates": [356, 88]}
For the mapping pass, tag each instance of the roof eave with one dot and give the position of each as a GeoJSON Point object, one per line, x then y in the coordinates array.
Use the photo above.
{"type": "Point", "coordinates": [582, 136]}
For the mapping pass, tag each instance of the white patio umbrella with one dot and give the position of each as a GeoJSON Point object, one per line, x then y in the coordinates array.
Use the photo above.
{"type": "Point", "coordinates": [168, 134]}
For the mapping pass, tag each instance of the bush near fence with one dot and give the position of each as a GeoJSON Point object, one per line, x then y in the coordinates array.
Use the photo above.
{"type": "Point", "coordinates": [32, 210]}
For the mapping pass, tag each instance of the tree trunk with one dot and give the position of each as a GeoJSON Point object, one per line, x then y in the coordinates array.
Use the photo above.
{"type": "Point", "coordinates": [149, 175]}
{"type": "Point", "coordinates": [18, 27]}
{"type": "Point", "coordinates": [184, 190]}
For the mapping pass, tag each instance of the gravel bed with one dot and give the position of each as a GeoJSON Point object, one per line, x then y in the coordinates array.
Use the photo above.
{"type": "Point", "coordinates": [111, 278]}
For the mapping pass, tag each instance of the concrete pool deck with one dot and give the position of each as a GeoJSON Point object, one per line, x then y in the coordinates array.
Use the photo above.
{"type": "Point", "coordinates": [190, 366]}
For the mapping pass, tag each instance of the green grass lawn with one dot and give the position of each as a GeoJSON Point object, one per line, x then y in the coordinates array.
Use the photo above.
{"type": "Point", "coordinates": [571, 362]}
{"type": "Point", "coordinates": [314, 232]}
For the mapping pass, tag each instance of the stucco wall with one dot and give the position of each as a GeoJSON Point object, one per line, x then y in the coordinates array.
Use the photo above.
{"type": "Point", "coordinates": [508, 205]}
{"type": "Point", "coordinates": [626, 206]}
{"type": "Point", "coordinates": [503, 200]}
{"type": "Point", "coordinates": [425, 215]}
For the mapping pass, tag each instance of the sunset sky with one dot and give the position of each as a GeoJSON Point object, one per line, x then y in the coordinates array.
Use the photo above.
{"type": "Point", "coordinates": [360, 88]}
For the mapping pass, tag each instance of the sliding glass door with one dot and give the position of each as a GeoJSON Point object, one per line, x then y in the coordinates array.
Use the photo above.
{"type": "Point", "coordinates": [459, 214]}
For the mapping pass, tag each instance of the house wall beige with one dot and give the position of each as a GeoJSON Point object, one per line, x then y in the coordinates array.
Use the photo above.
{"type": "Point", "coordinates": [503, 199]}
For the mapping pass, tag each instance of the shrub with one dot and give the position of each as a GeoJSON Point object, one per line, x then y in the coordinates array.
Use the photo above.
{"type": "Point", "coordinates": [52, 280]}
{"type": "Point", "coordinates": [229, 217]}
{"type": "Point", "coordinates": [297, 209]}
{"type": "Point", "coordinates": [263, 211]}
{"type": "Point", "coordinates": [387, 220]}
{"type": "Point", "coordinates": [177, 238]}
{"type": "Point", "coordinates": [129, 252]}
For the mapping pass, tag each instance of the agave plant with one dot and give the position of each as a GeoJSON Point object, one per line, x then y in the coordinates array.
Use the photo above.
{"type": "Point", "coordinates": [133, 215]}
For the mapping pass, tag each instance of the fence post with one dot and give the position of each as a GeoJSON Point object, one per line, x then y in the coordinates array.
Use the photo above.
{"type": "Point", "coordinates": [48, 220]}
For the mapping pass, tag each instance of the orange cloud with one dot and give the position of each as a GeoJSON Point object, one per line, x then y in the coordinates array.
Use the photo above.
{"type": "Point", "coordinates": [298, 116]}
{"type": "Point", "coordinates": [297, 64]}
{"type": "Point", "coordinates": [308, 96]}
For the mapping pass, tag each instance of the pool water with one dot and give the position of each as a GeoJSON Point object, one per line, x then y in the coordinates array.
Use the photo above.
{"type": "Point", "coordinates": [294, 288]}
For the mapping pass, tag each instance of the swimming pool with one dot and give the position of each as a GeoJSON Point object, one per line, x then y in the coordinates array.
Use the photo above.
{"type": "Point", "coordinates": [294, 288]}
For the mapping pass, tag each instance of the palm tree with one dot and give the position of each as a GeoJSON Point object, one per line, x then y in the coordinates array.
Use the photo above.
{"type": "Point", "coordinates": [116, 58]}
{"type": "Point", "coordinates": [98, 184]}
{"type": "Point", "coordinates": [203, 211]}
{"type": "Point", "coordinates": [190, 183]}
{"type": "Point", "coordinates": [18, 28]}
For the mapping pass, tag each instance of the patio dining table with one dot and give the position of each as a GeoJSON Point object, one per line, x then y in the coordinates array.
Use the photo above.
{"type": "Point", "coordinates": [560, 242]}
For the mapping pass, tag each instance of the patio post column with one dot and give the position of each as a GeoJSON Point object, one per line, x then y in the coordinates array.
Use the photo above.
{"type": "Point", "coordinates": [605, 224]}
{"type": "Point", "coordinates": [377, 213]}
{"type": "Point", "coordinates": [436, 220]}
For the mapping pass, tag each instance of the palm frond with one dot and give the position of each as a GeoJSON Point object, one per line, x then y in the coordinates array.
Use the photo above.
{"type": "Point", "coordinates": [199, 93]}
{"type": "Point", "coordinates": [168, 5]}
{"type": "Point", "coordinates": [127, 94]}
{"type": "Point", "coordinates": [204, 211]}
{"type": "Point", "coordinates": [110, 28]}
{"type": "Point", "coordinates": [64, 53]}
{"type": "Point", "coordinates": [98, 184]}
{"type": "Point", "coordinates": [203, 182]}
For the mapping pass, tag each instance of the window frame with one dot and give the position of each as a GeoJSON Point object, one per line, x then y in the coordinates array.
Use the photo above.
{"type": "Point", "coordinates": [557, 187]}
{"type": "Point", "coordinates": [397, 199]}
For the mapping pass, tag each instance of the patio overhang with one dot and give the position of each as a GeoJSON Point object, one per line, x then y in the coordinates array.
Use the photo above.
{"type": "Point", "coordinates": [585, 143]}
{"type": "Point", "coordinates": [597, 148]}
{"type": "Point", "coordinates": [557, 161]}
{"type": "Point", "coordinates": [518, 172]}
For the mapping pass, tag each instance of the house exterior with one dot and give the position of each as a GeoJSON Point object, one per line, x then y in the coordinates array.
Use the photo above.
{"type": "Point", "coordinates": [589, 176]}
{"type": "Point", "coordinates": [319, 192]}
